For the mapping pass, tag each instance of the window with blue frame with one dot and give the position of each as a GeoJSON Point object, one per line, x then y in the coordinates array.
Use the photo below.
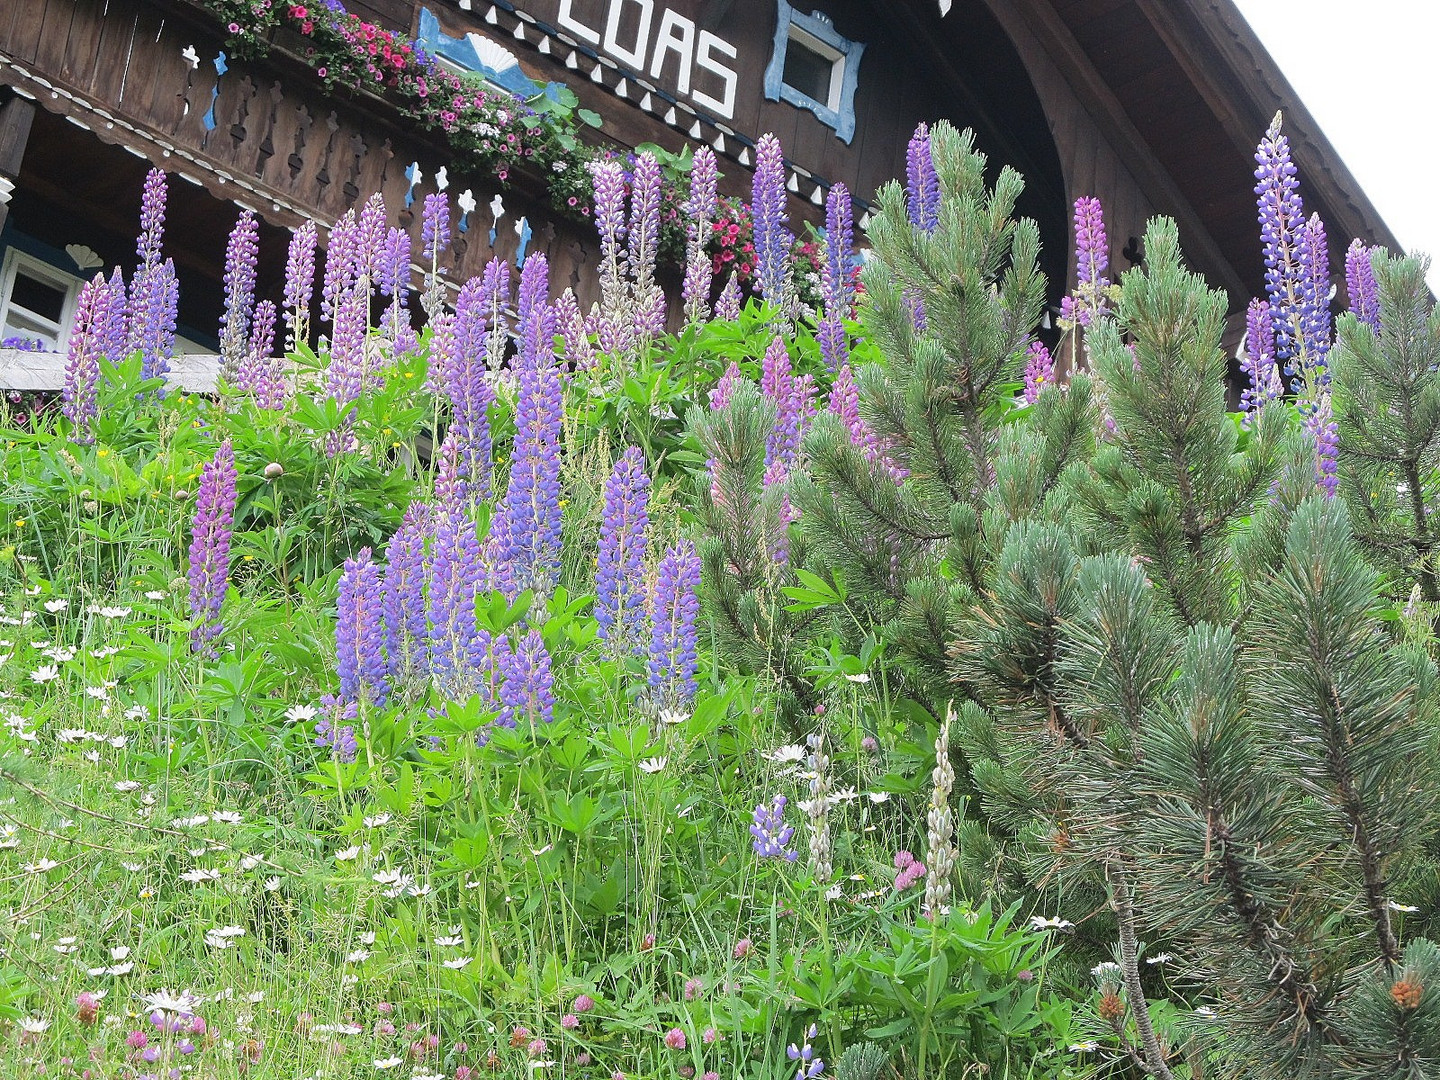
{"type": "Point", "coordinates": [813, 67]}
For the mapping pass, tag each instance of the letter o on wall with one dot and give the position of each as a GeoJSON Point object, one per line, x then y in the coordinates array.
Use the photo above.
{"type": "Point", "coordinates": [635, 55]}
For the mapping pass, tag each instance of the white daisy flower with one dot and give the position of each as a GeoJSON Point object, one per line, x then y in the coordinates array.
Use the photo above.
{"type": "Point", "coordinates": [1403, 908]}
{"type": "Point", "coordinates": [878, 797]}
{"type": "Point", "coordinates": [226, 817]}
{"type": "Point", "coordinates": [377, 820]}
{"type": "Point", "coordinates": [449, 941]}
{"type": "Point", "coordinates": [346, 854]}
{"type": "Point", "coordinates": [200, 875]}
{"type": "Point", "coordinates": [673, 716]}
{"type": "Point", "coordinates": [114, 612]}
{"type": "Point", "coordinates": [123, 786]}
{"type": "Point", "coordinates": [215, 941]}
{"type": "Point", "coordinates": [1159, 958]}
{"type": "Point", "coordinates": [359, 956]}
{"type": "Point", "coordinates": [787, 755]}
{"type": "Point", "coordinates": [56, 605]}
{"type": "Point", "coordinates": [299, 714]}
{"type": "Point", "coordinates": [136, 712]}
{"type": "Point", "coordinates": [458, 962]}
{"type": "Point", "coordinates": [117, 741]}
{"type": "Point", "coordinates": [249, 862]}
{"type": "Point", "coordinates": [272, 884]}
{"type": "Point", "coordinates": [156, 594]}
{"type": "Point", "coordinates": [99, 693]}
{"type": "Point", "coordinates": [190, 822]}
{"type": "Point", "coordinates": [133, 867]}
{"type": "Point", "coordinates": [45, 674]}
{"type": "Point", "coordinates": [861, 678]}
{"type": "Point", "coordinates": [43, 866]}
{"type": "Point", "coordinates": [117, 970]}
{"type": "Point", "coordinates": [387, 1063]}
{"type": "Point", "coordinates": [33, 1025]}
{"type": "Point", "coordinates": [182, 1003]}
{"type": "Point", "coordinates": [654, 764]}
{"type": "Point", "coordinates": [1040, 922]}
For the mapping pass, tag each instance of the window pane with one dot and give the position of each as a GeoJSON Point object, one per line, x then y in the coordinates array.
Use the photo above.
{"type": "Point", "coordinates": [40, 297]}
{"type": "Point", "coordinates": [807, 71]}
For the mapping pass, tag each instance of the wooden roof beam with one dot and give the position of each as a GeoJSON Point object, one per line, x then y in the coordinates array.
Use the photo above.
{"type": "Point", "coordinates": [1040, 18]}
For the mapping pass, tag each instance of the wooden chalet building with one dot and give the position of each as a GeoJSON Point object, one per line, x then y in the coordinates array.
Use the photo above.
{"type": "Point", "coordinates": [1153, 105]}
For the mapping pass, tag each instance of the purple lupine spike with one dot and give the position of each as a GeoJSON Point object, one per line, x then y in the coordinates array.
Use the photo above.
{"type": "Point", "coordinates": [467, 384]}
{"type": "Point", "coordinates": [435, 226]}
{"type": "Point", "coordinates": [262, 334]}
{"type": "Point", "coordinates": [371, 239]}
{"type": "Point", "coordinates": [771, 835]}
{"type": "Point", "coordinates": [78, 400]}
{"type": "Point", "coordinates": [837, 284]}
{"type": "Point", "coordinates": [578, 349]}
{"type": "Point", "coordinates": [457, 576]}
{"type": "Point", "coordinates": [1288, 280]}
{"type": "Point", "coordinates": [240, 261]}
{"type": "Point", "coordinates": [922, 191]}
{"type": "Point", "coordinates": [794, 403]}
{"type": "Point", "coordinates": [699, 212]}
{"type": "Point", "coordinates": [1090, 300]}
{"type": "Point", "coordinates": [1315, 321]}
{"type": "Point", "coordinates": [644, 245]}
{"type": "Point", "coordinates": [340, 259]}
{"type": "Point", "coordinates": [360, 658]}
{"type": "Point", "coordinates": [845, 404]}
{"type": "Point", "coordinates": [434, 239]}
{"type": "Point", "coordinates": [619, 597]}
{"type": "Point", "coordinates": [1319, 422]}
{"type": "Point", "coordinates": [210, 548]}
{"type": "Point", "coordinates": [1259, 359]}
{"type": "Point", "coordinates": [154, 306]}
{"type": "Point", "coordinates": [114, 336]}
{"type": "Point", "coordinates": [1360, 284]}
{"type": "Point", "coordinates": [1039, 371]}
{"type": "Point", "coordinates": [348, 372]}
{"type": "Point", "coordinates": [532, 500]}
{"type": "Point", "coordinates": [406, 644]}
{"type": "Point", "coordinates": [673, 608]}
{"type": "Point", "coordinates": [300, 283]}
{"type": "Point", "coordinates": [772, 239]}
{"type": "Point", "coordinates": [527, 692]}
{"type": "Point", "coordinates": [495, 287]}
{"type": "Point", "coordinates": [727, 304]}
{"type": "Point", "coordinates": [610, 222]}
{"type": "Point", "coordinates": [392, 270]}
{"type": "Point", "coordinates": [152, 220]}
{"type": "Point", "coordinates": [721, 392]}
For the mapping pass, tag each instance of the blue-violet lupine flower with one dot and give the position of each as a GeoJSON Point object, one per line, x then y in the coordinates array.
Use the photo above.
{"type": "Point", "coordinates": [210, 547]}
{"type": "Point", "coordinates": [610, 223]}
{"type": "Point", "coordinates": [1290, 281]}
{"type": "Point", "coordinates": [241, 254]}
{"type": "Point", "coordinates": [340, 258]}
{"type": "Point", "coordinates": [673, 608]}
{"type": "Point", "coordinates": [1319, 422]}
{"type": "Point", "coordinates": [532, 509]}
{"type": "Point", "coordinates": [699, 212]}
{"type": "Point", "coordinates": [1039, 371]}
{"type": "Point", "coordinates": [771, 835]}
{"type": "Point", "coordinates": [1259, 359]}
{"type": "Point", "coordinates": [78, 398]}
{"type": "Point", "coordinates": [648, 303]}
{"type": "Point", "coordinates": [154, 307]}
{"type": "Point", "coordinates": [1360, 284]}
{"type": "Point", "coordinates": [152, 220]}
{"type": "Point", "coordinates": [403, 599]}
{"type": "Point", "coordinates": [922, 191]}
{"type": "Point", "coordinates": [300, 282]}
{"type": "Point", "coordinates": [768, 209]}
{"type": "Point", "coordinates": [360, 658]}
{"type": "Point", "coordinates": [619, 593]}
{"type": "Point", "coordinates": [838, 284]}
{"type": "Point", "coordinates": [457, 576]}
{"type": "Point", "coordinates": [114, 336]}
{"type": "Point", "coordinates": [571, 324]}
{"type": "Point", "coordinates": [727, 304]}
{"type": "Point", "coordinates": [528, 688]}
{"type": "Point", "coordinates": [810, 1066]}
{"type": "Point", "coordinates": [845, 404]}
{"type": "Point", "coordinates": [1090, 301]}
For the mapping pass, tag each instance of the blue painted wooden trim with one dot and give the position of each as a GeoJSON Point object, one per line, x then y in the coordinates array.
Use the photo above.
{"type": "Point", "coordinates": [462, 52]}
{"type": "Point", "coordinates": [841, 119]}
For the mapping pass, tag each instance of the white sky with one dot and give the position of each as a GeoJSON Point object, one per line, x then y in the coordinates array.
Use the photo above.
{"type": "Point", "coordinates": [1369, 73]}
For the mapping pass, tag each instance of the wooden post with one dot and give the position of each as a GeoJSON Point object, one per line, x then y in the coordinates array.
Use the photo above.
{"type": "Point", "coordinates": [15, 117]}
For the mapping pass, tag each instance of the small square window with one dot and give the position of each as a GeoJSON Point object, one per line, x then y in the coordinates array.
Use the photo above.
{"type": "Point", "coordinates": [814, 68]}
{"type": "Point", "coordinates": [36, 300]}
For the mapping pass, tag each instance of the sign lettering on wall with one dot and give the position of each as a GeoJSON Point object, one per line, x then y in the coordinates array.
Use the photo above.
{"type": "Point", "coordinates": [658, 42]}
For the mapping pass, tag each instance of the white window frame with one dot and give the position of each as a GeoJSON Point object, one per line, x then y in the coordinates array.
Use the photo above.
{"type": "Point", "coordinates": [802, 37]}
{"type": "Point", "coordinates": [17, 260]}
